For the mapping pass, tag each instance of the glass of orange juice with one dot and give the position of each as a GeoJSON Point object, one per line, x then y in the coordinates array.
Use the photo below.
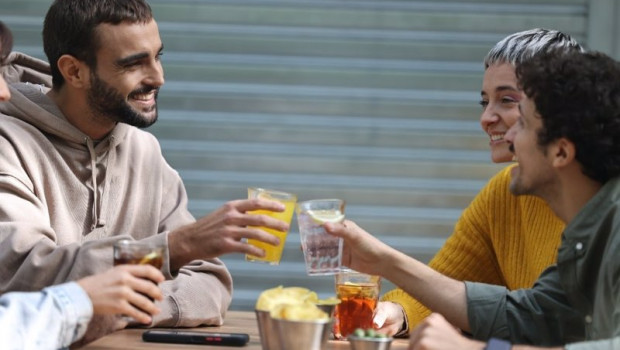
{"type": "Point", "coordinates": [273, 254]}
{"type": "Point", "coordinates": [358, 294]}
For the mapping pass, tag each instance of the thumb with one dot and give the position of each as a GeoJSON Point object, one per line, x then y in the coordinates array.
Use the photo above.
{"type": "Point", "coordinates": [379, 318]}
{"type": "Point", "coordinates": [333, 228]}
{"type": "Point", "coordinates": [338, 229]}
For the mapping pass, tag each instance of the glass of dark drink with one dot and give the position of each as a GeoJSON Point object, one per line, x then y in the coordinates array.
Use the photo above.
{"type": "Point", "coordinates": [138, 253]}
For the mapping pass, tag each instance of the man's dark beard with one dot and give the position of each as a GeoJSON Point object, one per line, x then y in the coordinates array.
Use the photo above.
{"type": "Point", "coordinates": [108, 102]}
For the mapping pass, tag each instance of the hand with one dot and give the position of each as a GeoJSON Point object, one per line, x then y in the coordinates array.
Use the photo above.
{"type": "Point", "coordinates": [125, 289]}
{"type": "Point", "coordinates": [389, 317]}
{"type": "Point", "coordinates": [222, 232]}
{"type": "Point", "coordinates": [436, 333]}
{"type": "Point", "coordinates": [361, 250]}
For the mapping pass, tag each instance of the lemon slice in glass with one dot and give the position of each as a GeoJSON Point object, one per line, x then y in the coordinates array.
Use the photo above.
{"type": "Point", "coordinates": [147, 258]}
{"type": "Point", "coordinates": [328, 301]}
{"type": "Point", "coordinates": [323, 216]}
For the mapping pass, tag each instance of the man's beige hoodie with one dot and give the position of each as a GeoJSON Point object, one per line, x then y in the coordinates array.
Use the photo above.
{"type": "Point", "coordinates": [65, 199]}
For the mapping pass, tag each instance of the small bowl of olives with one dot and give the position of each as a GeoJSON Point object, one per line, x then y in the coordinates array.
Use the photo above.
{"type": "Point", "coordinates": [369, 339]}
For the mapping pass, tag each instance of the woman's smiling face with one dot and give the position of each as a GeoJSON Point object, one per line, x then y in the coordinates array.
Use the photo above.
{"type": "Point", "coordinates": [500, 98]}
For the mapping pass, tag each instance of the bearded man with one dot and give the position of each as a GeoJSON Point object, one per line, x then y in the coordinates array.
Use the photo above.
{"type": "Point", "coordinates": [77, 174]}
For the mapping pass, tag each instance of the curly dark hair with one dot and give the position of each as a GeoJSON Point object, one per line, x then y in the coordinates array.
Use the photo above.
{"type": "Point", "coordinates": [70, 26]}
{"type": "Point", "coordinates": [578, 97]}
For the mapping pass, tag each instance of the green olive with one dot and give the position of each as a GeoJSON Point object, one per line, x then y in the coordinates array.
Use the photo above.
{"type": "Point", "coordinates": [359, 333]}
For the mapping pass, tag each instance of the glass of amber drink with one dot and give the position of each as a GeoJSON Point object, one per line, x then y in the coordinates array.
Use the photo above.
{"type": "Point", "coordinates": [138, 253]}
{"type": "Point", "coordinates": [273, 254]}
{"type": "Point", "coordinates": [358, 294]}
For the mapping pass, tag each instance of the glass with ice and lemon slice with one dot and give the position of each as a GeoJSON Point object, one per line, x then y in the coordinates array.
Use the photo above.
{"type": "Point", "coordinates": [138, 253]}
{"type": "Point", "coordinates": [322, 252]}
{"type": "Point", "coordinates": [131, 252]}
{"type": "Point", "coordinates": [273, 254]}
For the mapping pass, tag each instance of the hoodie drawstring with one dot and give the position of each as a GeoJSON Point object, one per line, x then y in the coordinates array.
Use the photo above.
{"type": "Point", "coordinates": [108, 178]}
{"type": "Point", "coordinates": [98, 217]}
{"type": "Point", "coordinates": [93, 177]}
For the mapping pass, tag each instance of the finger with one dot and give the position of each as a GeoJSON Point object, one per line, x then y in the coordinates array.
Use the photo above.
{"type": "Point", "coordinates": [147, 288]}
{"type": "Point", "coordinates": [252, 250]}
{"type": "Point", "coordinates": [334, 228]}
{"type": "Point", "coordinates": [145, 272]}
{"type": "Point", "coordinates": [261, 221]}
{"type": "Point", "coordinates": [139, 316]}
{"type": "Point", "coordinates": [244, 248]}
{"type": "Point", "coordinates": [244, 205]}
{"type": "Point", "coordinates": [343, 229]}
{"type": "Point", "coordinates": [379, 320]}
{"type": "Point", "coordinates": [256, 234]}
{"type": "Point", "coordinates": [141, 308]}
{"type": "Point", "coordinates": [389, 329]}
{"type": "Point", "coordinates": [380, 315]}
{"type": "Point", "coordinates": [145, 304]}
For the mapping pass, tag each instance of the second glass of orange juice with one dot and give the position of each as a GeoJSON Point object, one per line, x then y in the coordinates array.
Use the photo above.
{"type": "Point", "coordinates": [273, 254]}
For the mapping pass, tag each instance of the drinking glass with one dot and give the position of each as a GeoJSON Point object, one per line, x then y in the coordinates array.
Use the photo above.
{"type": "Point", "coordinates": [273, 254]}
{"type": "Point", "coordinates": [138, 253]}
{"type": "Point", "coordinates": [358, 294]}
{"type": "Point", "coordinates": [322, 251]}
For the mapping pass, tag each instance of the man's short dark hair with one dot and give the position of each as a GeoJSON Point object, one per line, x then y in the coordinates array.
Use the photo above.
{"type": "Point", "coordinates": [577, 95]}
{"type": "Point", "coordinates": [6, 42]}
{"type": "Point", "coordinates": [69, 28]}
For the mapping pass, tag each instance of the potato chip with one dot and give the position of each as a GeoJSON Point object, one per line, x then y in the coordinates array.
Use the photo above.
{"type": "Point", "coordinates": [292, 303]}
{"type": "Point", "coordinates": [270, 298]}
{"type": "Point", "coordinates": [306, 311]}
{"type": "Point", "coordinates": [328, 301]}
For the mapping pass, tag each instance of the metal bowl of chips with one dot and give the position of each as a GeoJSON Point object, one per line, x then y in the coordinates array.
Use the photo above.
{"type": "Point", "coordinates": [303, 335]}
{"type": "Point", "coordinates": [267, 331]}
{"type": "Point", "coordinates": [289, 319]}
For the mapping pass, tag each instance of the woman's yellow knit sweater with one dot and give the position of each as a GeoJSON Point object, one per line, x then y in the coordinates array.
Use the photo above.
{"type": "Point", "coordinates": [499, 239]}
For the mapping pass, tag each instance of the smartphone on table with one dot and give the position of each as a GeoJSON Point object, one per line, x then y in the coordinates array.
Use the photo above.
{"type": "Point", "coordinates": [193, 337]}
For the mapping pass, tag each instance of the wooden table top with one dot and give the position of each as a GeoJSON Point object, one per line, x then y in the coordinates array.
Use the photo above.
{"type": "Point", "coordinates": [235, 322]}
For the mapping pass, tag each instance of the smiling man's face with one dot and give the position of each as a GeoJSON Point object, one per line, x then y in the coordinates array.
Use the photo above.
{"type": "Point", "coordinates": [534, 175]}
{"type": "Point", "coordinates": [126, 81]}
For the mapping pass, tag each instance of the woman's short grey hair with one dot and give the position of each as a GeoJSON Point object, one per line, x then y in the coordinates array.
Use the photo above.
{"type": "Point", "coordinates": [522, 46]}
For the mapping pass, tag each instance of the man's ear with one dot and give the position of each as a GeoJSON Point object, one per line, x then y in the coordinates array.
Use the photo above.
{"type": "Point", "coordinates": [75, 72]}
{"type": "Point", "coordinates": [563, 152]}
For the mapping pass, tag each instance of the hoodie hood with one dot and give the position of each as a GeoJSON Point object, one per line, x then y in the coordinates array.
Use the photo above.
{"type": "Point", "coordinates": [30, 104]}
{"type": "Point", "coordinates": [29, 81]}
{"type": "Point", "coordinates": [23, 68]}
